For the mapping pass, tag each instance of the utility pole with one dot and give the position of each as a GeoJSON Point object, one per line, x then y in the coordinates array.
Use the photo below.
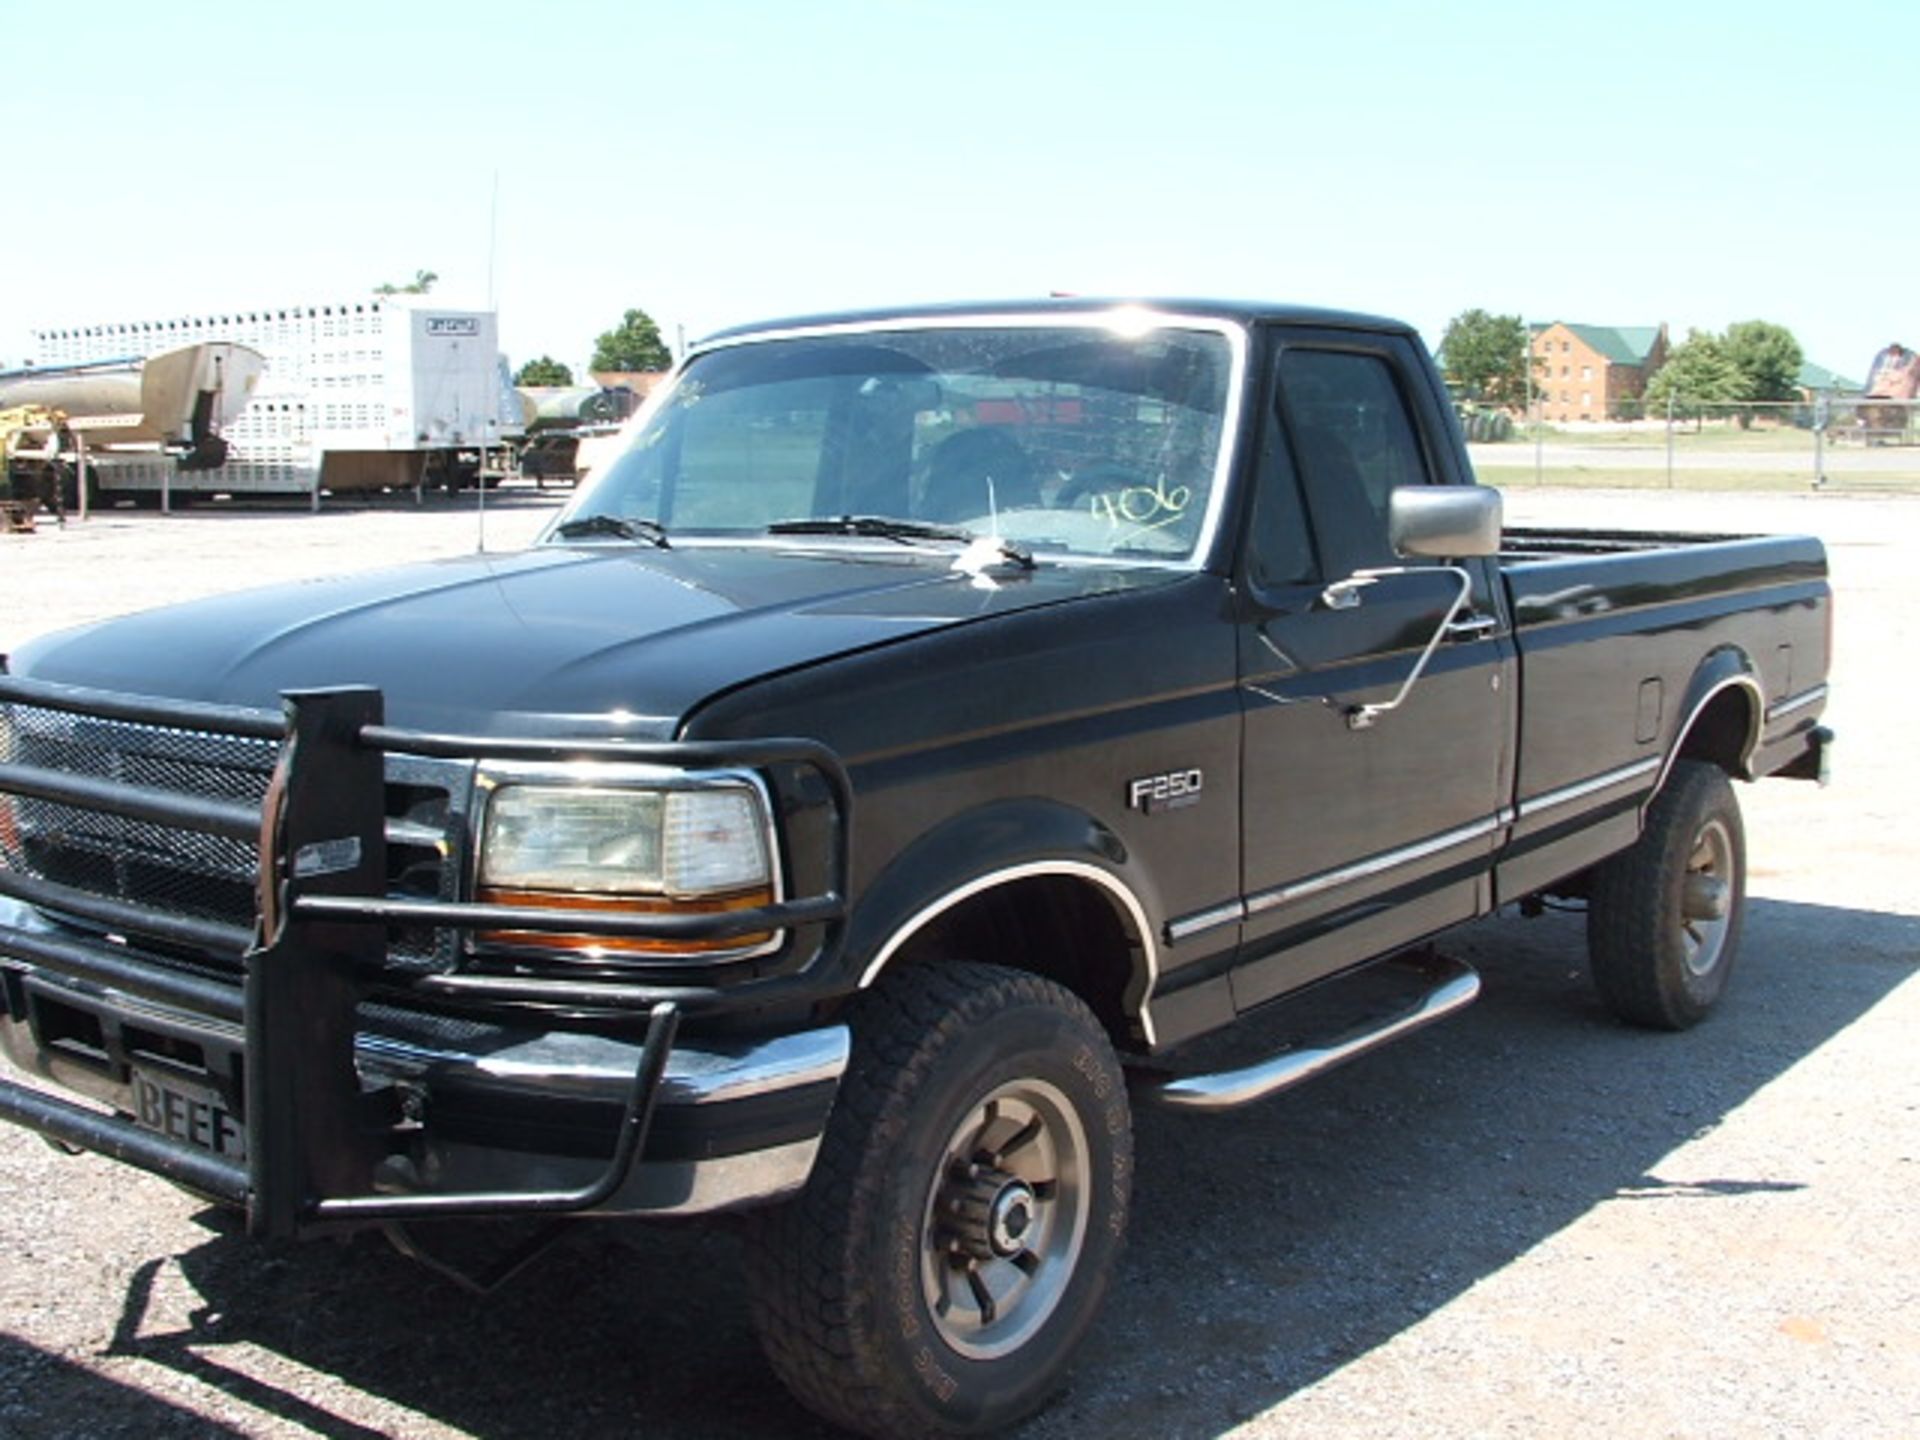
{"type": "Point", "coordinates": [1669, 437]}
{"type": "Point", "coordinates": [1532, 417]}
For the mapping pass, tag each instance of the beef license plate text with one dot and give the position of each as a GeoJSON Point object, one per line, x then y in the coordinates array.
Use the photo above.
{"type": "Point", "coordinates": [192, 1114]}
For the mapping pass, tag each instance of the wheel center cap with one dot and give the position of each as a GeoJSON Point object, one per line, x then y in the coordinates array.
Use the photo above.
{"type": "Point", "coordinates": [1011, 1218]}
{"type": "Point", "coordinates": [1706, 897]}
{"type": "Point", "coordinates": [989, 1213]}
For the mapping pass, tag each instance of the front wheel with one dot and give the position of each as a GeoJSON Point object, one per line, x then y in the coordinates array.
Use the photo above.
{"type": "Point", "coordinates": [1663, 918]}
{"type": "Point", "coordinates": [960, 1228]}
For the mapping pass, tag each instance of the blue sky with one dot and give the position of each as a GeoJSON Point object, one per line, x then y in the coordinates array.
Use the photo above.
{"type": "Point", "coordinates": [711, 163]}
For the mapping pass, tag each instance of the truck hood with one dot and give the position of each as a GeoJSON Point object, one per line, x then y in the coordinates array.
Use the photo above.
{"type": "Point", "coordinates": [581, 642]}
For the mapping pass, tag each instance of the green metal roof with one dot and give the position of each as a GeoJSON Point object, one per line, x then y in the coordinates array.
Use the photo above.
{"type": "Point", "coordinates": [1618, 344]}
{"type": "Point", "coordinates": [1818, 377]}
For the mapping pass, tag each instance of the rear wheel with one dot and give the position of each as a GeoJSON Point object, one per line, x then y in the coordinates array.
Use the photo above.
{"type": "Point", "coordinates": [960, 1228]}
{"type": "Point", "coordinates": [1663, 919]}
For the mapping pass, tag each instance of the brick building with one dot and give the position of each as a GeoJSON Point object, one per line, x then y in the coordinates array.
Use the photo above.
{"type": "Point", "coordinates": [1584, 372]}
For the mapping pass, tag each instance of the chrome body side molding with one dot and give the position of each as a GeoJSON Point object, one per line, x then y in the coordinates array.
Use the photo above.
{"type": "Point", "coordinates": [1794, 703]}
{"type": "Point", "coordinates": [1377, 864]}
{"type": "Point", "coordinates": [1581, 789]}
{"type": "Point", "coordinates": [1188, 926]}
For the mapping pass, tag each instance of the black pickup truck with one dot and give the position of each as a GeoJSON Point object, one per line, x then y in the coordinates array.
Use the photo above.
{"type": "Point", "coordinates": [856, 802]}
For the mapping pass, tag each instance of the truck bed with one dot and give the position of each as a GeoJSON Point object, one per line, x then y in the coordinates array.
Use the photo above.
{"type": "Point", "coordinates": [1556, 575]}
{"type": "Point", "coordinates": [1611, 628]}
{"type": "Point", "coordinates": [1523, 544]}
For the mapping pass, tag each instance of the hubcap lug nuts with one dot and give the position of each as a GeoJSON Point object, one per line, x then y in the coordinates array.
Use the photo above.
{"type": "Point", "coordinates": [990, 1213]}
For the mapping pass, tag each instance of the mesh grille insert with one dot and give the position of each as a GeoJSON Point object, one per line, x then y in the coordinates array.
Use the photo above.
{"type": "Point", "coordinates": [160, 867]}
{"type": "Point", "coordinates": [182, 873]}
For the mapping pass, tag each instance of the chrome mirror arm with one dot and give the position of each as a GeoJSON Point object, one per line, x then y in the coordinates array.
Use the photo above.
{"type": "Point", "coordinates": [1362, 717]}
{"type": "Point", "coordinates": [1345, 594]}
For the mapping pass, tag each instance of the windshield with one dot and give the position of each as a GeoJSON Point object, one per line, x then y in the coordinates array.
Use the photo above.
{"type": "Point", "coordinates": [1071, 439]}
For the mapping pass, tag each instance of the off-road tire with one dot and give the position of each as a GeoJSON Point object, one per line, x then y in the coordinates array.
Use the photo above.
{"type": "Point", "coordinates": [846, 1278]}
{"type": "Point", "coordinates": [1653, 963]}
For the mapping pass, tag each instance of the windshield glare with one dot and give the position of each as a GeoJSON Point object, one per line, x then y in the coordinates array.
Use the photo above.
{"type": "Point", "coordinates": [1071, 439]}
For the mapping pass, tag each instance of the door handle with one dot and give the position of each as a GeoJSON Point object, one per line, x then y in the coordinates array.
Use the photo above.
{"type": "Point", "coordinates": [1472, 627]}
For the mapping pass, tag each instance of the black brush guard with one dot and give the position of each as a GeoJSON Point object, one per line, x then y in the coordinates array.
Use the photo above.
{"type": "Point", "coordinates": [320, 948]}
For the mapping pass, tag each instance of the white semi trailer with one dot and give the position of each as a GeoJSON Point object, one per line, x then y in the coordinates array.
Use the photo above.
{"type": "Point", "coordinates": [382, 393]}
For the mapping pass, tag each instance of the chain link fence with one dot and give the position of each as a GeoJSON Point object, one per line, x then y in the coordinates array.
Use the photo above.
{"type": "Point", "coordinates": [1851, 444]}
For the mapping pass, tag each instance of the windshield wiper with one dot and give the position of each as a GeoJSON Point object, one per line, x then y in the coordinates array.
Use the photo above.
{"type": "Point", "coordinates": [620, 526]}
{"type": "Point", "coordinates": [881, 527]}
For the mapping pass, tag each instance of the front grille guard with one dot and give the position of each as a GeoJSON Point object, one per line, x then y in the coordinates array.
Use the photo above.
{"type": "Point", "coordinates": [319, 949]}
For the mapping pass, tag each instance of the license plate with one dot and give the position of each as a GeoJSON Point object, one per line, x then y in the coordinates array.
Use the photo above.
{"type": "Point", "coordinates": [191, 1114]}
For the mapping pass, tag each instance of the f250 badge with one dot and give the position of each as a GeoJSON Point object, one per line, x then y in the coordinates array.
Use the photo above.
{"type": "Point", "coordinates": [1151, 794]}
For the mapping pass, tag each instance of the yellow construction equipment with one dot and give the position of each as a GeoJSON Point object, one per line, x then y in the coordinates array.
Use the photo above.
{"type": "Point", "coordinates": [30, 442]}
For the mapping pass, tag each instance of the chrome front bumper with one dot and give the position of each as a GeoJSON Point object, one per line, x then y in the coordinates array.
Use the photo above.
{"type": "Point", "coordinates": [736, 1123]}
{"type": "Point", "coordinates": [496, 1107]}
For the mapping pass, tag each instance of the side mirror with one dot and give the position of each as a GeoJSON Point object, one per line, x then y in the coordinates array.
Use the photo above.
{"type": "Point", "coordinates": [1446, 522]}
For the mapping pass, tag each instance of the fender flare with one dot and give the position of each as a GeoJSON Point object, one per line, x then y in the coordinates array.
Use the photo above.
{"type": "Point", "coordinates": [1001, 844]}
{"type": "Point", "coordinates": [1727, 668]}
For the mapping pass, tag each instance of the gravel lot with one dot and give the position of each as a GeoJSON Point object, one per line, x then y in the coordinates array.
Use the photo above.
{"type": "Point", "coordinates": [1527, 1221]}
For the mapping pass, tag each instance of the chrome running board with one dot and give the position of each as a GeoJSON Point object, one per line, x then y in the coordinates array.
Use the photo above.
{"type": "Point", "coordinates": [1452, 986]}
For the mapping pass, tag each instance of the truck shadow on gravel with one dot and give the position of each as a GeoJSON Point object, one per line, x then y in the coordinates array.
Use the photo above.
{"type": "Point", "coordinates": [39, 1384]}
{"type": "Point", "coordinates": [1270, 1246]}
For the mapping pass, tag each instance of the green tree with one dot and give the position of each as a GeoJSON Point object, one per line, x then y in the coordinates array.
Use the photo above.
{"type": "Point", "coordinates": [634, 345]}
{"type": "Point", "coordinates": [1698, 374]}
{"type": "Point", "coordinates": [544, 371]}
{"type": "Point", "coordinates": [421, 283]}
{"type": "Point", "coordinates": [1486, 357]}
{"type": "Point", "coordinates": [1768, 359]}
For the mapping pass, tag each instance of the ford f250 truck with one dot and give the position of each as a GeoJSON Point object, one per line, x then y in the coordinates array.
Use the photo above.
{"type": "Point", "coordinates": [856, 802]}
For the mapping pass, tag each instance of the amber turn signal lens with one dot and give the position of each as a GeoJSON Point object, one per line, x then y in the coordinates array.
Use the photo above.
{"type": "Point", "coordinates": [585, 944]}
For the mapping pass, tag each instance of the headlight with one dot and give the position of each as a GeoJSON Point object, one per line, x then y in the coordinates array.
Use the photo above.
{"type": "Point", "coordinates": [684, 850]}
{"type": "Point", "coordinates": [625, 842]}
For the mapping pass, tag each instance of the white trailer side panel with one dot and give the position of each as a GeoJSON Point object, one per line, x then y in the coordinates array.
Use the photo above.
{"type": "Point", "coordinates": [388, 377]}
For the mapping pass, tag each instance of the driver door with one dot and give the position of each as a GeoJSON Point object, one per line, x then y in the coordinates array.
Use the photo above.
{"type": "Point", "coordinates": [1358, 840]}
